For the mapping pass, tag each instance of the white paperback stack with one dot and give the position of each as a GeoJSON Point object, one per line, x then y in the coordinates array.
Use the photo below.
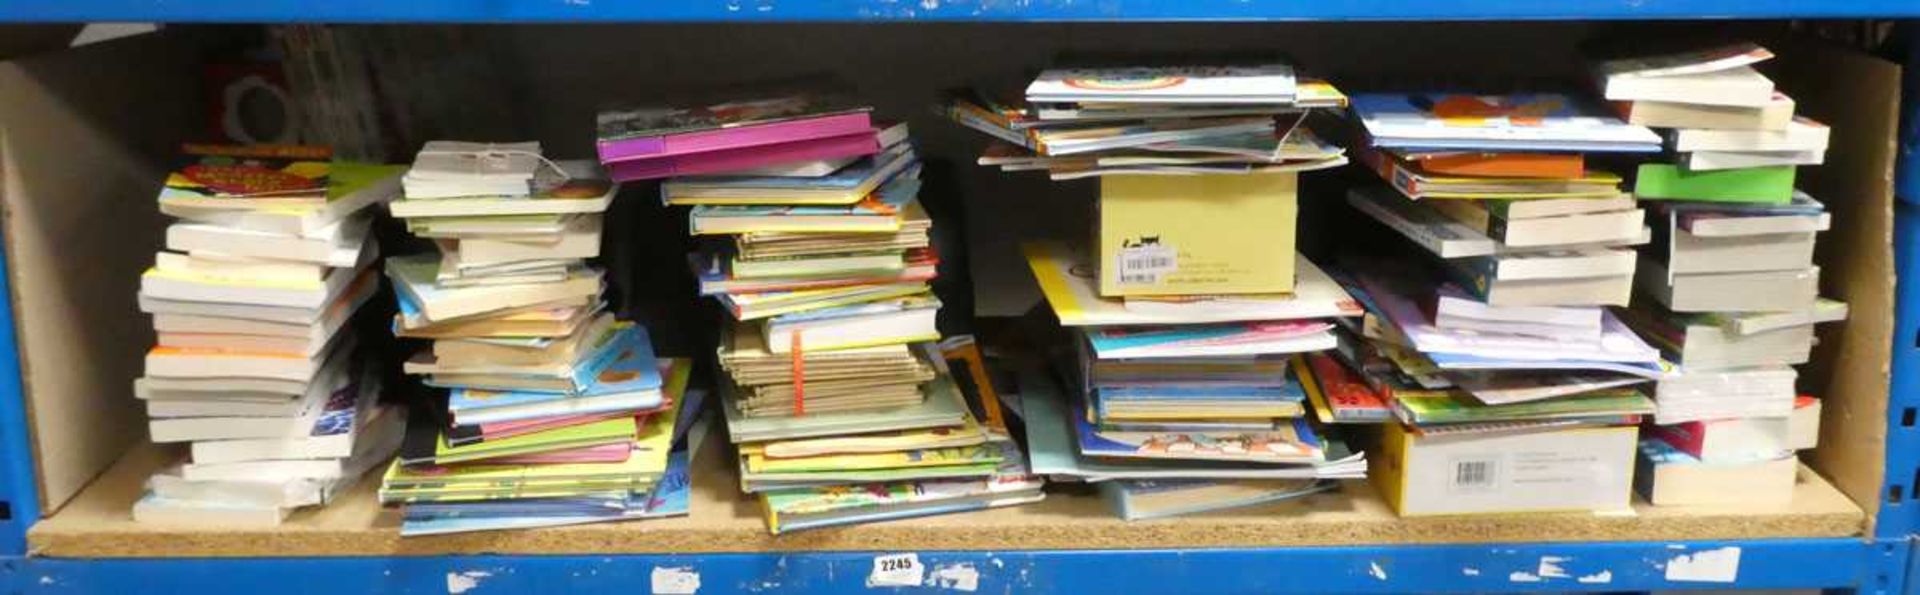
{"type": "Point", "coordinates": [1727, 289]}
{"type": "Point", "coordinates": [255, 364]}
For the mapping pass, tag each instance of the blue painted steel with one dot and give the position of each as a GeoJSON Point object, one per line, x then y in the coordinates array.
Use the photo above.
{"type": "Point", "coordinates": [18, 489]}
{"type": "Point", "coordinates": [507, 11]}
{"type": "Point", "coordinates": [1899, 513]}
{"type": "Point", "coordinates": [1760, 564]}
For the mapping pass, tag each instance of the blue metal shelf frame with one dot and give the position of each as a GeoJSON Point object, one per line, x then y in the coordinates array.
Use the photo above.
{"type": "Point", "coordinates": [1767, 564]}
{"type": "Point", "coordinates": [532, 11]}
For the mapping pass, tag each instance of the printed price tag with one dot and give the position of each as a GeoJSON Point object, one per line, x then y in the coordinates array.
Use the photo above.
{"type": "Point", "coordinates": [896, 570]}
{"type": "Point", "coordinates": [1143, 264]}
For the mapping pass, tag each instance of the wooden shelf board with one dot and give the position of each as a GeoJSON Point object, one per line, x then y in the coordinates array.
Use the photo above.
{"type": "Point", "coordinates": [97, 525]}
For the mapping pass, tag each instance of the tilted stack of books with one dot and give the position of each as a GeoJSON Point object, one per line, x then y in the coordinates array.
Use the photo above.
{"type": "Point", "coordinates": [1728, 289]}
{"type": "Point", "coordinates": [1185, 120]}
{"type": "Point", "coordinates": [257, 363]}
{"type": "Point", "coordinates": [1495, 337]}
{"type": "Point", "coordinates": [815, 242]}
{"type": "Point", "coordinates": [1193, 303]}
{"type": "Point", "coordinates": [556, 412]}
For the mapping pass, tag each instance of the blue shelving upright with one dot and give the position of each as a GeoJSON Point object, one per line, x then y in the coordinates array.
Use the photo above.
{"type": "Point", "coordinates": [1879, 563]}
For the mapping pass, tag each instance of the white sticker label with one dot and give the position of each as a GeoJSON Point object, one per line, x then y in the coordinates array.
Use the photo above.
{"type": "Point", "coordinates": [675, 581]}
{"type": "Point", "coordinates": [896, 570]}
{"type": "Point", "coordinates": [1143, 264]}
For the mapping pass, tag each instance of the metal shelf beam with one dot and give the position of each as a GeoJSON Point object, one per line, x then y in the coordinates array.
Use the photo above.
{"type": "Point", "coordinates": [1837, 563]}
{"type": "Point", "coordinates": [533, 11]}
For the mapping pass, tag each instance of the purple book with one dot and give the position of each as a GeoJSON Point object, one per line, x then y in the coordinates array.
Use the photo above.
{"type": "Point", "coordinates": [646, 132]}
{"type": "Point", "coordinates": [749, 156]}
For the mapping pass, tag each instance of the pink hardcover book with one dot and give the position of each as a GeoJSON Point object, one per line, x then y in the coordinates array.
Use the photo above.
{"type": "Point", "coordinates": [641, 132]}
{"type": "Point", "coordinates": [863, 142]}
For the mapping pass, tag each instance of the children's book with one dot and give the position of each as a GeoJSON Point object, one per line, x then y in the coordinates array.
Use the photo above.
{"type": "Point", "coordinates": [631, 382]}
{"type": "Point", "coordinates": [1458, 408]}
{"type": "Point", "coordinates": [1520, 122]}
{"type": "Point", "coordinates": [1260, 84]}
{"type": "Point", "coordinates": [1142, 499]}
{"type": "Point", "coordinates": [797, 509]}
{"type": "Point", "coordinates": [639, 132]}
{"type": "Point", "coordinates": [1338, 394]}
{"type": "Point", "coordinates": [1071, 286]}
{"type": "Point", "coordinates": [1292, 444]}
{"type": "Point", "coordinates": [249, 176]}
{"type": "Point", "coordinates": [1247, 338]}
{"type": "Point", "coordinates": [877, 212]}
{"type": "Point", "coordinates": [846, 186]}
{"type": "Point", "coordinates": [588, 191]}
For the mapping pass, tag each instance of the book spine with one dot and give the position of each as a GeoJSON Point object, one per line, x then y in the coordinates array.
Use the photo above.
{"type": "Point", "coordinates": [1690, 437]}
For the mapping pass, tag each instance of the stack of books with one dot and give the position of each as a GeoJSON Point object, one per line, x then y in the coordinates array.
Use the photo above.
{"type": "Point", "coordinates": [842, 409]}
{"type": "Point", "coordinates": [1495, 337]}
{"type": "Point", "coordinates": [1728, 289]}
{"type": "Point", "coordinates": [556, 413]}
{"type": "Point", "coordinates": [257, 365]}
{"type": "Point", "coordinates": [1189, 309]}
{"type": "Point", "coordinates": [1189, 120]}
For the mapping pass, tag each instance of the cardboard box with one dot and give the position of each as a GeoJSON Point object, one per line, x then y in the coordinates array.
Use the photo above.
{"type": "Point", "coordinates": [1581, 469]}
{"type": "Point", "coordinates": [1197, 235]}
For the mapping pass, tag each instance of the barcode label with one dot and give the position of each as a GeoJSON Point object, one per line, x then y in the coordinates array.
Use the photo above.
{"type": "Point", "coordinates": [1474, 475]}
{"type": "Point", "coordinates": [1143, 264]}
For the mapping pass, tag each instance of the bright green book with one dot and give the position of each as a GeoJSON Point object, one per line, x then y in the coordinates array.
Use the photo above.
{"type": "Point", "coordinates": [1456, 407]}
{"type": "Point", "coordinates": [1761, 185]}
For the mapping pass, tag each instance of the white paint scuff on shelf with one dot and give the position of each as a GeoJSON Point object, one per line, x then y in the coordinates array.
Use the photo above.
{"type": "Point", "coordinates": [961, 576]}
{"type": "Point", "coordinates": [461, 582]}
{"type": "Point", "coordinates": [677, 580]}
{"type": "Point", "coordinates": [1550, 567]}
{"type": "Point", "coordinates": [1705, 566]}
{"type": "Point", "coordinates": [1597, 578]}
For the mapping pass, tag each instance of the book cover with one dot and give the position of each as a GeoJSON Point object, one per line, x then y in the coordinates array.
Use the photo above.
{"type": "Point", "coordinates": [642, 130]}
{"type": "Point", "coordinates": [1202, 235]}
{"type": "Point", "coordinates": [1295, 443]}
{"type": "Point", "coordinates": [1250, 338]}
{"type": "Point", "coordinates": [1764, 185]}
{"type": "Point", "coordinates": [880, 211]}
{"type": "Point", "coordinates": [851, 182]}
{"type": "Point", "coordinates": [1337, 393]}
{"type": "Point", "coordinates": [212, 175]}
{"type": "Point", "coordinates": [758, 462]}
{"type": "Point", "coordinates": [1519, 122]}
{"type": "Point", "coordinates": [1068, 280]}
{"type": "Point", "coordinates": [1263, 83]}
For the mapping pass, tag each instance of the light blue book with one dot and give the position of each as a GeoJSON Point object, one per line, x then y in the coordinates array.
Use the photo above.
{"type": "Point", "coordinates": [1516, 122]}
{"type": "Point", "coordinates": [631, 369]}
{"type": "Point", "coordinates": [669, 497]}
{"type": "Point", "coordinates": [1141, 499]}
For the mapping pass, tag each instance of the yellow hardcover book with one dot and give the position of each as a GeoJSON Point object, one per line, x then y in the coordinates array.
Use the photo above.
{"type": "Point", "coordinates": [1311, 384]}
{"type": "Point", "coordinates": [1197, 235]}
{"type": "Point", "coordinates": [905, 459]}
{"type": "Point", "coordinates": [968, 433]}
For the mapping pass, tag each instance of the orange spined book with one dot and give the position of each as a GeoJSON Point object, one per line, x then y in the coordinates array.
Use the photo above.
{"type": "Point", "coordinates": [1502, 165]}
